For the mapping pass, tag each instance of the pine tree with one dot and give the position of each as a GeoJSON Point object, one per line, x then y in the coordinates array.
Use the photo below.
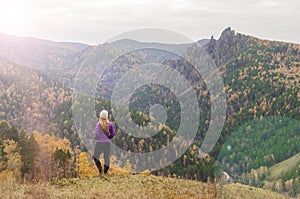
{"type": "Point", "coordinates": [28, 148]}
{"type": "Point", "coordinates": [62, 159]}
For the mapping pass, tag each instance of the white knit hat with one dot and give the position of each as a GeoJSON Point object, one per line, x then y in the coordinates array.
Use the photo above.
{"type": "Point", "coordinates": [104, 114]}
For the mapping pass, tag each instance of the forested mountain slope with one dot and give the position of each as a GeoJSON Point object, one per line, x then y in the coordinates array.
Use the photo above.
{"type": "Point", "coordinates": [261, 80]}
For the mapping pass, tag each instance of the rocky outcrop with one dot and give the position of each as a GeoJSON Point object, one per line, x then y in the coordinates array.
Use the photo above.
{"type": "Point", "coordinates": [226, 47]}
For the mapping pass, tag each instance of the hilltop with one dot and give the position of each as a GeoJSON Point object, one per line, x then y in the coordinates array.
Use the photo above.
{"type": "Point", "coordinates": [132, 186]}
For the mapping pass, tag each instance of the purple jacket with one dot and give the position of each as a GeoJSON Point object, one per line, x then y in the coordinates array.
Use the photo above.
{"type": "Point", "coordinates": [101, 136]}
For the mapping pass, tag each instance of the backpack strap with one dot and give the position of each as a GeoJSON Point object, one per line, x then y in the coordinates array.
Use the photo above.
{"type": "Point", "coordinates": [105, 133]}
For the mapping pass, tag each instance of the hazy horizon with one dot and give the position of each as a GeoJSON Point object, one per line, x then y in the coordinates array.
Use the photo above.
{"type": "Point", "coordinates": [96, 21]}
{"type": "Point", "coordinates": [139, 40]}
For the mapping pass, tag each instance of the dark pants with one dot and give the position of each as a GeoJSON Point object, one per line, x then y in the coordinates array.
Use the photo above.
{"type": "Point", "coordinates": [102, 147]}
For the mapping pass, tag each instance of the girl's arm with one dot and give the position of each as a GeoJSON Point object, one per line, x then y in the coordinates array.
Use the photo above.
{"type": "Point", "coordinates": [111, 129]}
{"type": "Point", "coordinates": [97, 130]}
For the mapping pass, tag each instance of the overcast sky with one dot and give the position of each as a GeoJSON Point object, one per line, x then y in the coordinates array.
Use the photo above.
{"type": "Point", "coordinates": [95, 21]}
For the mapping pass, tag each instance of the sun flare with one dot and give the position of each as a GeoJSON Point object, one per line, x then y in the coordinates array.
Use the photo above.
{"type": "Point", "coordinates": [12, 18]}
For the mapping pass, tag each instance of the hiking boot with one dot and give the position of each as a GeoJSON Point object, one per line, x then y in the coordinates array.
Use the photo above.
{"type": "Point", "coordinates": [106, 169]}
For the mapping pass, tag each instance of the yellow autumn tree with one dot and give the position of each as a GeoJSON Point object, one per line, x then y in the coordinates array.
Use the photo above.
{"type": "Point", "coordinates": [83, 166]}
{"type": "Point", "coordinates": [116, 166]}
{"type": "Point", "coordinates": [279, 186]}
{"type": "Point", "coordinates": [46, 165]}
{"type": "Point", "coordinates": [47, 145]}
{"type": "Point", "coordinates": [14, 162]}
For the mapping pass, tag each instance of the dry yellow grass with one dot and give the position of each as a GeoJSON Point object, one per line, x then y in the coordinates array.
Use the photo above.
{"type": "Point", "coordinates": [130, 186]}
{"type": "Point", "coordinates": [283, 167]}
{"type": "Point", "coordinates": [234, 191]}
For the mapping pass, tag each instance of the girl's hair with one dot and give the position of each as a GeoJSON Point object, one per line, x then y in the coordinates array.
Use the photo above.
{"type": "Point", "coordinates": [104, 124]}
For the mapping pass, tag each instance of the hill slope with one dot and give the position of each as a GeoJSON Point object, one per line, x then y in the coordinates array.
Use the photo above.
{"type": "Point", "coordinates": [132, 186]}
{"type": "Point", "coordinates": [285, 166]}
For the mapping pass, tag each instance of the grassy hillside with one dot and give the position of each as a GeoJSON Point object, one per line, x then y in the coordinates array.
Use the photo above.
{"type": "Point", "coordinates": [233, 191]}
{"type": "Point", "coordinates": [283, 167]}
{"type": "Point", "coordinates": [131, 186]}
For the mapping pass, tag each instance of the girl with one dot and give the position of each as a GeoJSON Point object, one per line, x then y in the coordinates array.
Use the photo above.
{"type": "Point", "coordinates": [103, 133]}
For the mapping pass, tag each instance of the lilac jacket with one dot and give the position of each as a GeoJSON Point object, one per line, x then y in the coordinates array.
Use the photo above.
{"type": "Point", "coordinates": [100, 136]}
